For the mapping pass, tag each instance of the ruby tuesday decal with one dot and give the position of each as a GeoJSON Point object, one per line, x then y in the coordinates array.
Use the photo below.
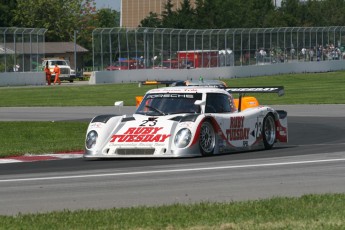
{"type": "Point", "coordinates": [237, 131]}
{"type": "Point", "coordinates": [141, 134]}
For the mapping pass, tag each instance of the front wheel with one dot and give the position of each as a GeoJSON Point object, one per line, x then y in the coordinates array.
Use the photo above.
{"type": "Point", "coordinates": [207, 139]}
{"type": "Point", "coordinates": [269, 131]}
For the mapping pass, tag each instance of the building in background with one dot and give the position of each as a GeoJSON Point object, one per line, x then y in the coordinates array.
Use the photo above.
{"type": "Point", "coordinates": [133, 11]}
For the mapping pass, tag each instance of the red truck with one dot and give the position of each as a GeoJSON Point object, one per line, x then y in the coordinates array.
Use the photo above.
{"type": "Point", "coordinates": [198, 58]}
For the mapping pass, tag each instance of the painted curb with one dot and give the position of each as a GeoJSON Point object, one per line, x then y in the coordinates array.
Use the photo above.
{"type": "Point", "coordinates": [42, 157]}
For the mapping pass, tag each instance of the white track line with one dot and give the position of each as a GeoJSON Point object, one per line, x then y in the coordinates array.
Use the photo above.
{"type": "Point", "coordinates": [173, 170]}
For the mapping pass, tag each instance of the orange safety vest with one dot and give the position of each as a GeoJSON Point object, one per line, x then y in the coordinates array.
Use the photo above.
{"type": "Point", "coordinates": [47, 70]}
{"type": "Point", "coordinates": [57, 70]}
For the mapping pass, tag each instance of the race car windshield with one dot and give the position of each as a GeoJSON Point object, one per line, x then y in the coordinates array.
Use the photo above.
{"type": "Point", "coordinates": [169, 103]}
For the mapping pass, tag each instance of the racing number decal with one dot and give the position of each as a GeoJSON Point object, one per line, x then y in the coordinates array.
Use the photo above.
{"type": "Point", "coordinates": [149, 122]}
{"type": "Point", "coordinates": [258, 128]}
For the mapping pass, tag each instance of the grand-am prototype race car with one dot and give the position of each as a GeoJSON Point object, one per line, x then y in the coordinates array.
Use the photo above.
{"type": "Point", "coordinates": [188, 122]}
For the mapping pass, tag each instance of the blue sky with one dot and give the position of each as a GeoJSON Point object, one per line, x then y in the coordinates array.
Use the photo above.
{"type": "Point", "coordinates": [113, 4]}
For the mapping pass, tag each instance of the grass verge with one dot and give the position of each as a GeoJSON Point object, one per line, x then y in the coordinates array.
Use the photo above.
{"type": "Point", "coordinates": [18, 138]}
{"type": "Point", "coordinates": [309, 88]}
{"type": "Point", "coordinates": [306, 212]}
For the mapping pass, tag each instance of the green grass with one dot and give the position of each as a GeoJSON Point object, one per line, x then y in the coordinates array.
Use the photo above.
{"type": "Point", "coordinates": [18, 138]}
{"type": "Point", "coordinates": [87, 95]}
{"type": "Point", "coordinates": [309, 88]}
{"type": "Point", "coordinates": [307, 212]}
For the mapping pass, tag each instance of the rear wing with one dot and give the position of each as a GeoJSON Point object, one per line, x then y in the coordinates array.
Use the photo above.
{"type": "Point", "coordinates": [153, 82]}
{"type": "Point", "coordinates": [244, 90]}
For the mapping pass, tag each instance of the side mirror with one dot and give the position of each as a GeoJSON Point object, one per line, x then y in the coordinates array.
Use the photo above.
{"type": "Point", "coordinates": [200, 102]}
{"type": "Point", "coordinates": [118, 103]}
{"type": "Point", "coordinates": [201, 105]}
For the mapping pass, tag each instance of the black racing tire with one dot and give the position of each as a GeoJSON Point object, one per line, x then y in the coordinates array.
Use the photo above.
{"type": "Point", "coordinates": [269, 131]}
{"type": "Point", "coordinates": [207, 139]}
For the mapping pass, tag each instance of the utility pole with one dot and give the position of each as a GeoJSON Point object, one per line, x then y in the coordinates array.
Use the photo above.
{"type": "Point", "coordinates": [75, 50]}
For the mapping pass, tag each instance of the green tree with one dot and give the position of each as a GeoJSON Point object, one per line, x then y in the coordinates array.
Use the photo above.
{"type": "Point", "coordinates": [200, 14]}
{"type": "Point", "coordinates": [61, 17]}
{"type": "Point", "coordinates": [152, 20]}
{"type": "Point", "coordinates": [315, 14]}
{"type": "Point", "coordinates": [258, 13]}
{"type": "Point", "coordinates": [107, 18]}
{"type": "Point", "coordinates": [291, 12]}
{"type": "Point", "coordinates": [185, 16]}
{"type": "Point", "coordinates": [231, 14]}
{"type": "Point", "coordinates": [206, 14]}
{"type": "Point", "coordinates": [168, 15]}
{"type": "Point", "coordinates": [6, 12]}
{"type": "Point", "coordinates": [333, 12]}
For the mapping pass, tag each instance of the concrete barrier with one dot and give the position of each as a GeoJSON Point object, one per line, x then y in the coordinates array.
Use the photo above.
{"type": "Point", "coordinates": [127, 76]}
{"type": "Point", "coordinates": [22, 78]}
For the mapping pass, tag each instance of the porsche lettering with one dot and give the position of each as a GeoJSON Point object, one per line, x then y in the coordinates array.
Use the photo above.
{"type": "Point", "coordinates": [170, 96]}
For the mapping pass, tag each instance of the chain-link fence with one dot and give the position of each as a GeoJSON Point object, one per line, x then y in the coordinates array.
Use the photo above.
{"type": "Point", "coordinates": [21, 49]}
{"type": "Point", "coordinates": [139, 48]}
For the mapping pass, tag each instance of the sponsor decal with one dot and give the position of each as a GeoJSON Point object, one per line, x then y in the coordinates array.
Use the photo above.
{"type": "Point", "coordinates": [254, 89]}
{"type": "Point", "coordinates": [237, 131]}
{"type": "Point", "coordinates": [141, 134]}
{"type": "Point", "coordinates": [96, 125]}
{"type": "Point", "coordinates": [166, 95]}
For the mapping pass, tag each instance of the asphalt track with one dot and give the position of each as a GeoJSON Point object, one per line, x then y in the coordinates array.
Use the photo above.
{"type": "Point", "coordinates": [312, 162]}
{"type": "Point", "coordinates": [87, 112]}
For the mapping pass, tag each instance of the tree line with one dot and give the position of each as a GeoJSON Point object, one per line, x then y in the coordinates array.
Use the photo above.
{"type": "Point", "coordinates": [221, 14]}
{"type": "Point", "coordinates": [63, 17]}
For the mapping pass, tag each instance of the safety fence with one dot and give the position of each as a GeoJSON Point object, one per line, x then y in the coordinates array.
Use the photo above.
{"type": "Point", "coordinates": [163, 48]}
{"type": "Point", "coordinates": [21, 49]}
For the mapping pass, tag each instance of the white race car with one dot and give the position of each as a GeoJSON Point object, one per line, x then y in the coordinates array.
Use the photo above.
{"type": "Point", "coordinates": [188, 122]}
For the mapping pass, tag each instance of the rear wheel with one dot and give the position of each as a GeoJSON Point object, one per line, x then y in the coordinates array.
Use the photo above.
{"type": "Point", "coordinates": [269, 131]}
{"type": "Point", "coordinates": [207, 139]}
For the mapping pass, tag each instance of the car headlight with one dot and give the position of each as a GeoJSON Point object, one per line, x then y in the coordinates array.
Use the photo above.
{"type": "Point", "coordinates": [91, 139]}
{"type": "Point", "coordinates": [183, 138]}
